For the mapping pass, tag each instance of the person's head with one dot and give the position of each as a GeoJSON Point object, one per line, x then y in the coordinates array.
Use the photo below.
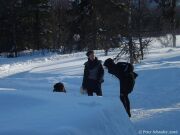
{"type": "Point", "coordinates": [90, 55]}
{"type": "Point", "coordinates": [109, 63]}
{"type": "Point", "coordinates": [59, 87]}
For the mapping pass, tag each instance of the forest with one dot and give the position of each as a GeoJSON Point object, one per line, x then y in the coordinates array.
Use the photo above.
{"type": "Point", "coordinates": [66, 26]}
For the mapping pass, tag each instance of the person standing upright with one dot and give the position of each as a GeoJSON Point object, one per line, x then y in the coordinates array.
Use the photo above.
{"type": "Point", "coordinates": [93, 75]}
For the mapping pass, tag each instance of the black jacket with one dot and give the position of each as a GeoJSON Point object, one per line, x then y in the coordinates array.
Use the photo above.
{"type": "Point", "coordinates": [127, 78]}
{"type": "Point", "coordinates": [98, 73]}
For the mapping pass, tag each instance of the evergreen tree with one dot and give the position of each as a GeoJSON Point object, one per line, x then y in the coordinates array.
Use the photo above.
{"type": "Point", "coordinates": [168, 16]}
{"type": "Point", "coordinates": [24, 24]}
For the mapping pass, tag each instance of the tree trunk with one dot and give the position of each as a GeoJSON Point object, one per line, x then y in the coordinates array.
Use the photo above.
{"type": "Point", "coordinates": [174, 39]}
{"type": "Point", "coordinates": [94, 25]}
{"type": "Point", "coordinates": [173, 4]}
{"type": "Point", "coordinates": [141, 48]}
{"type": "Point", "coordinates": [14, 40]}
{"type": "Point", "coordinates": [131, 50]}
{"type": "Point", "coordinates": [54, 37]}
{"type": "Point", "coordinates": [37, 29]}
{"type": "Point", "coordinates": [130, 43]}
{"type": "Point", "coordinates": [139, 31]}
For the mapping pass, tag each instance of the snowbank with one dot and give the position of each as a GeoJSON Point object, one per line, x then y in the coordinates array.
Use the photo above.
{"type": "Point", "coordinates": [41, 113]}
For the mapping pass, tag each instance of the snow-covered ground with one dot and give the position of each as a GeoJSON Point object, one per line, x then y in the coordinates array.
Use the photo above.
{"type": "Point", "coordinates": [156, 98]}
{"type": "Point", "coordinates": [29, 107]}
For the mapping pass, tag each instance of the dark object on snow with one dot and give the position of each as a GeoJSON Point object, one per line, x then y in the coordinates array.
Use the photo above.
{"type": "Point", "coordinates": [59, 87]}
{"type": "Point", "coordinates": [125, 73]}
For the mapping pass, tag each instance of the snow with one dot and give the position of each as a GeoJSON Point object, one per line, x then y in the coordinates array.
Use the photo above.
{"type": "Point", "coordinates": [156, 98]}
{"type": "Point", "coordinates": [56, 113]}
{"type": "Point", "coordinates": [29, 107]}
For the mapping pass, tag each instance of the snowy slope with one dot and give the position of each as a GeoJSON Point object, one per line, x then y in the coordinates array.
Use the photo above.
{"type": "Point", "coordinates": [60, 114]}
{"type": "Point", "coordinates": [28, 105]}
{"type": "Point", "coordinates": [156, 99]}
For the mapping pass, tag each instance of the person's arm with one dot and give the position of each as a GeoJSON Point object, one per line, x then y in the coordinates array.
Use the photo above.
{"type": "Point", "coordinates": [135, 75]}
{"type": "Point", "coordinates": [84, 82]}
{"type": "Point", "coordinates": [100, 74]}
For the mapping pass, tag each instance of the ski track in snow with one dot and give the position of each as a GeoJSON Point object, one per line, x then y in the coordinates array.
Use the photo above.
{"type": "Point", "coordinates": [141, 114]}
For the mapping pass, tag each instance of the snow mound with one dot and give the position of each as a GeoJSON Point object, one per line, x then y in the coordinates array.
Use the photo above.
{"type": "Point", "coordinates": [61, 114]}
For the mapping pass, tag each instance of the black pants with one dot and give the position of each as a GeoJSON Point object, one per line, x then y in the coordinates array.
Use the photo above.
{"type": "Point", "coordinates": [125, 100]}
{"type": "Point", "coordinates": [94, 86]}
{"type": "Point", "coordinates": [90, 92]}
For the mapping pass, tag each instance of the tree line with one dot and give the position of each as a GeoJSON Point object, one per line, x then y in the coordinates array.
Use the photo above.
{"type": "Point", "coordinates": [67, 26]}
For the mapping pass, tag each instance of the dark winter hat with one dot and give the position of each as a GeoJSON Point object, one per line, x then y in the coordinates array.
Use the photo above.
{"type": "Point", "coordinates": [108, 62]}
{"type": "Point", "coordinates": [89, 53]}
{"type": "Point", "coordinates": [59, 87]}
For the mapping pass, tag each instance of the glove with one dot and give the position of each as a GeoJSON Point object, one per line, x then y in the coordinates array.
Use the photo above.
{"type": "Point", "coordinates": [83, 91]}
